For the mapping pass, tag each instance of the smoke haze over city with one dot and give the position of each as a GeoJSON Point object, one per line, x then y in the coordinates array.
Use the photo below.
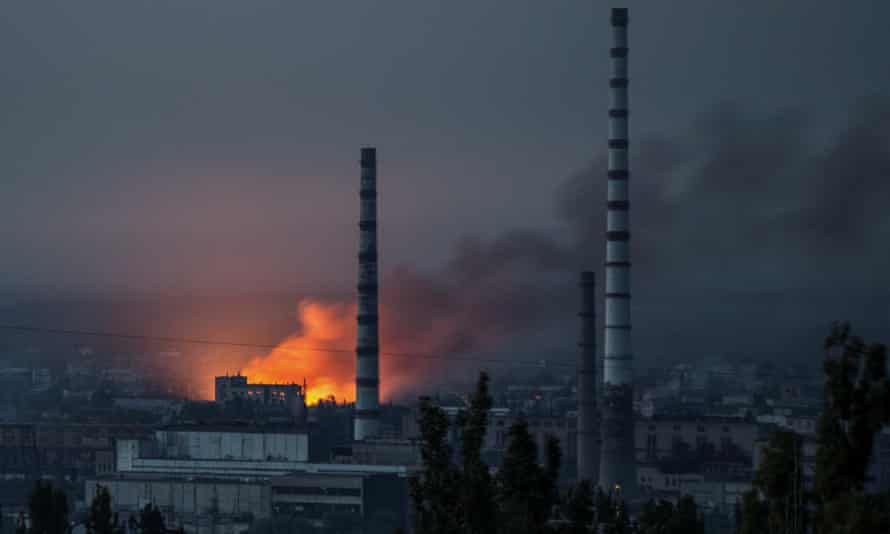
{"type": "Point", "coordinates": [444, 267]}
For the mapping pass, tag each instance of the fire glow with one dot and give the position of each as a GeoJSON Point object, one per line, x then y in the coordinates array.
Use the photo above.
{"type": "Point", "coordinates": [315, 354]}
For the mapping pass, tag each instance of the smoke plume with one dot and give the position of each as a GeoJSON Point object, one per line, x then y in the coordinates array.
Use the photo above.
{"type": "Point", "coordinates": [741, 224]}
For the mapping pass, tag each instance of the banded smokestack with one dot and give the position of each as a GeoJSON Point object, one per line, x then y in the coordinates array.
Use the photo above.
{"type": "Point", "coordinates": [589, 437]}
{"type": "Point", "coordinates": [367, 382]}
{"type": "Point", "coordinates": [618, 466]}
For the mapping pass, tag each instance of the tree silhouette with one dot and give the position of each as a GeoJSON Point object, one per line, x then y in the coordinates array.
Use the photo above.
{"type": "Point", "coordinates": [857, 407]}
{"type": "Point", "coordinates": [477, 491]}
{"type": "Point", "coordinates": [48, 510]}
{"type": "Point", "coordinates": [436, 491]}
{"type": "Point", "coordinates": [101, 520]}
{"type": "Point", "coordinates": [579, 508]}
{"type": "Point", "coordinates": [151, 520]}
{"type": "Point", "coordinates": [525, 490]}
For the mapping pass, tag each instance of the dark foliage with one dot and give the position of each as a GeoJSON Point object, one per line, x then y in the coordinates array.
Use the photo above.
{"type": "Point", "coordinates": [461, 496]}
{"type": "Point", "coordinates": [48, 510]}
{"type": "Point", "coordinates": [101, 520]}
{"type": "Point", "coordinates": [525, 491]}
{"type": "Point", "coordinates": [436, 491]}
{"type": "Point", "coordinates": [752, 514]}
{"type": "Point", "coordinates": [780, 479]}
{"type": "Point", "coordinates": [663, 517]}
{"type": "Point", "coordinates": [579, 508]}
{"type": "Point", "coordinates": [477, 506]}
{"type": "Point", "coordinates": [857, 401]}
{"type": "Point", "coordinates": [151, 520]}
{"type": "Point", "coordinates": [857, 407]}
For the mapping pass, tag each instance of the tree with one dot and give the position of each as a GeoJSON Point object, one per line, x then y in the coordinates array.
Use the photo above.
{"type": "Point", "coordinates": [151, 520]}
{"type": "Point", "coordinates": [857, 407]}
{"type": "Point", "coordinates": [552, 465]}
{"type": "Point", "coordinates": [664, 518]}
{"type": "Point", "coordinates": [686, 518]}
{"type": "Point", "coordinates": [780, 479]}
{"type": "Point", "coordinates": [579, 508]}
{"type": "Point", "coordinates": [751, 514]}
{"type": "Point", "coordinates": [435, 492]}
{"type": "Point", "coordinates": [461, 496]}
{"type": "Point", "coordinates": [101, 520]}
{"type": "Point", "coordinates": [48, 510]}
{"type": "Point", "coordinates": [855, 514]}
{"type": "Point", "coordinates": [618, 520]}
{"type": "Point", "coordinates": [525, 491]}
{"type": "Point", "coordinates": [477, 503]}
{"type": "Point", "coordinates": [655, 516]}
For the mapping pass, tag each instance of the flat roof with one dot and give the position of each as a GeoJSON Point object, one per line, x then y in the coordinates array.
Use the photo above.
{"type": "Point", "coordinates": [274, 428]}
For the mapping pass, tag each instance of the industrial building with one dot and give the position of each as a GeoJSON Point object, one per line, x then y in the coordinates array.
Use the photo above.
{"type": "Point", "coordinates": [290, 398]}
{"type": "Point", "coordinates": [220, 478]}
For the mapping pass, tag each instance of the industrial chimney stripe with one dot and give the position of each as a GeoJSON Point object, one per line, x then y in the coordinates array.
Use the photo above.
{"type": "Point", "coordinates": [617, 462]}
{"type": "Point", "coordinates": [367, 352]}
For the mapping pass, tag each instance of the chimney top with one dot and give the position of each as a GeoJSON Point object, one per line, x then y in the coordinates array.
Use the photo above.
{"type": "Point", "coordinates": [619, 16]}
{"type": "Point", "coordinates": [369, 157]}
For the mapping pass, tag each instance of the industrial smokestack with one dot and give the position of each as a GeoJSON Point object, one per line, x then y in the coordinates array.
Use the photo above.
{"type": "Point", "coordinates": [618, 466]}
{"type": "Point", "coordinates": [367, 383]}
{"type": "Point", "coordinates": [588, 418]}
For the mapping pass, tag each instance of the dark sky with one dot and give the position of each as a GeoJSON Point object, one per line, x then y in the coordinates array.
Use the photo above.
{"type": "Point", "coordinates": [210, 147]}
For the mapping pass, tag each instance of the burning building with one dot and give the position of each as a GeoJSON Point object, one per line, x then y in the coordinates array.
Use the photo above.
{"type": "Point", "coordinates": [288, 397]}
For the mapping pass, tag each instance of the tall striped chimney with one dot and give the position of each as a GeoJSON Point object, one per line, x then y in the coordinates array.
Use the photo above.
{"type": "Point", "coordinates": [367, 397]}
{"type": "Point", "coordinates": [589, 437]}
{"type": "Point", "coordinates": [618, 466]}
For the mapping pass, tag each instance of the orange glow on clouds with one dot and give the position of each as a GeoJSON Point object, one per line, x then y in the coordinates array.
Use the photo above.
{"type": "Point", "coordinates": [330, 326]}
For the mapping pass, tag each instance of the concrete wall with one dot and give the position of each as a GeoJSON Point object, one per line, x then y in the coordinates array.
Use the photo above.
{"type": "Point", "coordinates": [315, 494]}
{"type": "Point", "coordinates": [221, 445]}
{"type": "Point", "coordinates": [184, 497]}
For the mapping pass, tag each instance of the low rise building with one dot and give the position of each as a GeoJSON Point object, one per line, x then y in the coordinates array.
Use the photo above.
{"type": "Point", "coordinates": [288, 397]}
{"type": "Point", "coordinates": [728, 437]}
{"type": "Point", "coordinates": [204, 477]}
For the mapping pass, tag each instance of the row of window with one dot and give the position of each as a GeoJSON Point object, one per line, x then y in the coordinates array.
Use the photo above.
{"type": "Point", "coordinates": [679, 428]}
{"type": "Point", "coordinates": [318, 490]}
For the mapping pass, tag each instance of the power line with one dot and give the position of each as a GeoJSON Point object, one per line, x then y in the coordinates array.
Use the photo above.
{"type": "Point", "coordinates": [266, 346]}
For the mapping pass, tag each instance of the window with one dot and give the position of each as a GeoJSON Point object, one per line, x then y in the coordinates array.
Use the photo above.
{"type": "Point", "coordinates": [318, 490]}
{"type": "Point", "coordinates": [701, 428]}
{"type": "Point", "coordinates": [345, 492]}
{"type": "Point", "coordinates": [676, 428]}
{"type": "Point", "coordinates": [651, 451]}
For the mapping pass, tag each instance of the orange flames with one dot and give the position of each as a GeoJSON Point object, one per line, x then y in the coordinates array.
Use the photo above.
{"type": "Point", "coordinates": [329, 329]}
{"type": "Point", "coordinates": [329, 369]}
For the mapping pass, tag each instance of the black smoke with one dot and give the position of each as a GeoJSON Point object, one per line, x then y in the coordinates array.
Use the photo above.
{"type": "Point", "coordinates": [750, 234]}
